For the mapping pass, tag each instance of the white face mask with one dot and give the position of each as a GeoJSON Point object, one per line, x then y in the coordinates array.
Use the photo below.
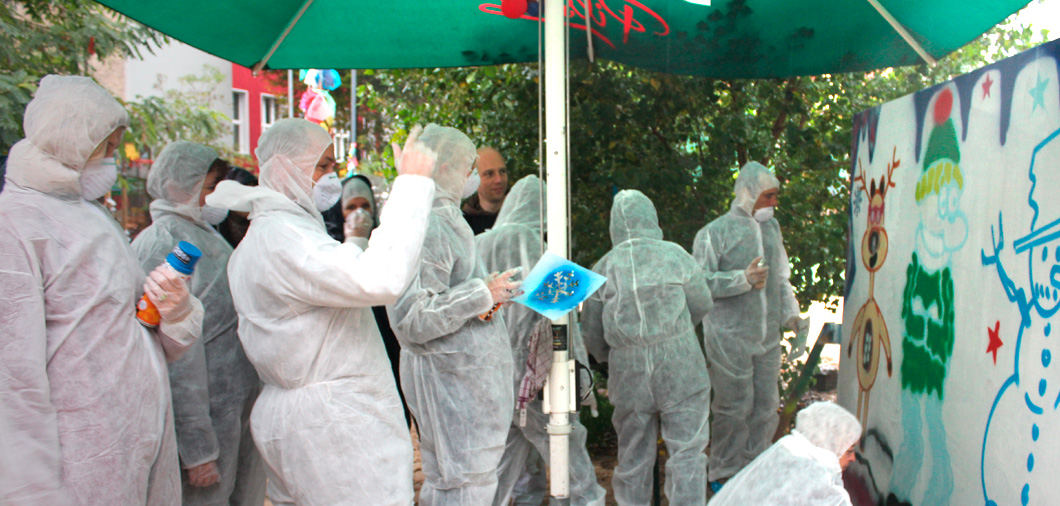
{"type": "Point", "coordinates": [470, 185]}
{"type": "Point", "coordinates": [326, 192]}
{"type": "Point", "coordinates": [763, 214]}
{"type": "Point", "coordinates": [214, 215]}
{"type": "Point", "coordinates": [98, 177]}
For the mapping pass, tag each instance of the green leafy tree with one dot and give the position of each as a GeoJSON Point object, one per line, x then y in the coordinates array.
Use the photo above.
{"type": "Point", "coordinates": [679, 139]}
{"type": "Point", "coordinates": [181, 113]}
{"type": "Point", "coordinates": [39, 37]}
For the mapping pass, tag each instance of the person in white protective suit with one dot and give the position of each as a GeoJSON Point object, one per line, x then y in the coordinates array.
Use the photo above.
{"type": "Point", "coordinates": [804, 468]}
{"type": "Point", "coordinates": [358, 210]}
{"type": "Point", "coordinates": [641, 323]}
{"type": "Point", "coordinates": [515, 241]}
{"type": "Point", "coordinates": [213, 385]}
{"type": "Point", "coordinates": [456, 369]}
{"type": "Point", "coordinates": [748, 271]}
{"type": "Point", "coordinates": [328, 421]}
{"type": "Point", "coordinates": [86, 392]}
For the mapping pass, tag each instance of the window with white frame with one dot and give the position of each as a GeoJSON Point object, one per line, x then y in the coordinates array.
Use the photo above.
{"type": "Point", "coordinates": [240, 125]}
{"type": "Point", "coordinates": [268, 111]}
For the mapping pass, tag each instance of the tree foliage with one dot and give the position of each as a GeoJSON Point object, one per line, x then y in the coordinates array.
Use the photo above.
{"type": "Point", "coordinates": [40, 37]}
{"type": "Point", "coordinates": [678, 139]}
{"type": "Point", "coordinates": [181, 113]}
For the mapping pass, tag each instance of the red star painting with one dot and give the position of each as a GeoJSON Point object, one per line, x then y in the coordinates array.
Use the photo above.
{"type": "Point", "coordinates": [995, 340]}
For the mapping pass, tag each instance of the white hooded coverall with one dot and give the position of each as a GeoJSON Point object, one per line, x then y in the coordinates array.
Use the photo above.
{"type": "Point", "coordinates": [456, 369]}
{"type": "Point", "coordinates": [742, 334]}
{"type": "Point", "coordinates": [802, 468]}
{"type": "Point", "coordinates": [328, 421]}
{"type": "Point", "coordinates": [641, 323]}
{"type": "Point", "coordinates": [213, 385]}
{"type": "Point", "coordinates": [86, 392]}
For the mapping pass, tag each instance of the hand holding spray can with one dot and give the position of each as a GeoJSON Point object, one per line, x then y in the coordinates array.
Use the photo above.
{"type": "Point", "coordinates": [181, 261]}
{"type": "Point", "coordinates": [502, 289]}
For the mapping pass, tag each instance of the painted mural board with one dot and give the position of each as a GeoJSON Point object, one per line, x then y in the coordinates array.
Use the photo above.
{"type": "Point", "coordinates": [953, 285]}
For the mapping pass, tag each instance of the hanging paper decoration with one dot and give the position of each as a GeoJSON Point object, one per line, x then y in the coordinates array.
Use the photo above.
{"type": "Point", "coordinates": [556, 285]}
{"type": "Point", "coordinates": [329, 79]}
{"type": "Point", "coordinates": [317, 104]}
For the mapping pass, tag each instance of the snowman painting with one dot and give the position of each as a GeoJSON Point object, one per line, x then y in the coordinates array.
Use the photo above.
{"type": "Point", "coordinates": [1019, 456]}
{"type": "Point", "coordinates": [929, 313]}
{"type": "Point", "coordinates": [1023, 428]}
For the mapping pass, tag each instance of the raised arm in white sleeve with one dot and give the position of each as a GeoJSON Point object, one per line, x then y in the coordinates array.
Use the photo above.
{"type": "Point", "coordinates": [342, 275]}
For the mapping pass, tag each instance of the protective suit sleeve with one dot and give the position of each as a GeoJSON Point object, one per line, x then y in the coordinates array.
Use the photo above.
{"type": "Point", "coordinates": [593, 328]}
{"type": "Point", "coordinates": [790, 303]}
{"type": "Point", "coordinates": [697, 294]}
{"type": "Point", "coordinates": [10, 461]}
{"type": "Point", "coordinates": [787, 292]}
{"type": "Point", "coordinates": [196, 440]}
{"type": "Point", "coordinates": [360, 242]}
{"type": "Point", "coordinates": [177, 337]}
{"type": "Point", "coordinates": [722, 283]}
{"type": "Point", "coordinates": [32, 433]}
{"type": "Point", "coordinates": [341, 275]}
{"type": "Point", "coordinates": [430, 309]}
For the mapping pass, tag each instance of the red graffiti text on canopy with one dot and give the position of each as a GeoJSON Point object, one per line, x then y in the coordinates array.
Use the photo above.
{"type": "Point", "coordinates": [628, 15]}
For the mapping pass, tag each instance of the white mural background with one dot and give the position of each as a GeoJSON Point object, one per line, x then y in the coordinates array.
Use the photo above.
{"type": "Point", "coordinates": [953, 285]}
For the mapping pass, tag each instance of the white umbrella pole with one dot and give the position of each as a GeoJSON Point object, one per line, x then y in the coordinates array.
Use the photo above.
{"type": "Point", "coordinates": [290, 93]}
{"type": "Point", "coordinates": [559, 387]}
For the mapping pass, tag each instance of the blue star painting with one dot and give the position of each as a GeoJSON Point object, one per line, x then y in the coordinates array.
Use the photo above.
{"type": "Point", "coordinates": [556, 285]}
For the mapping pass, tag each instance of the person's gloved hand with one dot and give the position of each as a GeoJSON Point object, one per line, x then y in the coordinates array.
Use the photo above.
{"type": "Point", "coordinates": [502, 288]}
{"type": "Point", "coordinates": [798, 324]}
{"type": "Point", "coordinates": [166, 289]}
{"type": "Point", "coordinates": [756, 275]}
{"type": "Point", "coordinates": [358, 224]}
{"type": "Point", "coordinates": [801, 326]}
{"type": "Point", "coordinates": [204, 475]}
{"type": "Point", "coordinates": [414, 159]}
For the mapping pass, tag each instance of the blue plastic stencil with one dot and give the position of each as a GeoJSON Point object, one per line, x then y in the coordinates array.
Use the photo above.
{"type": "Point", "coordinates": [556, 285]}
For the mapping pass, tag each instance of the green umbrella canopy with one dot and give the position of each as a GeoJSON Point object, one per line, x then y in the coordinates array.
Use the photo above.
{"type": "Point", "coordinates": [730, 39]}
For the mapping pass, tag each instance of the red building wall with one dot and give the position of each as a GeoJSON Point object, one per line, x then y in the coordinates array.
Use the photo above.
{"type": "Point", "coordinates": [267, 82]}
